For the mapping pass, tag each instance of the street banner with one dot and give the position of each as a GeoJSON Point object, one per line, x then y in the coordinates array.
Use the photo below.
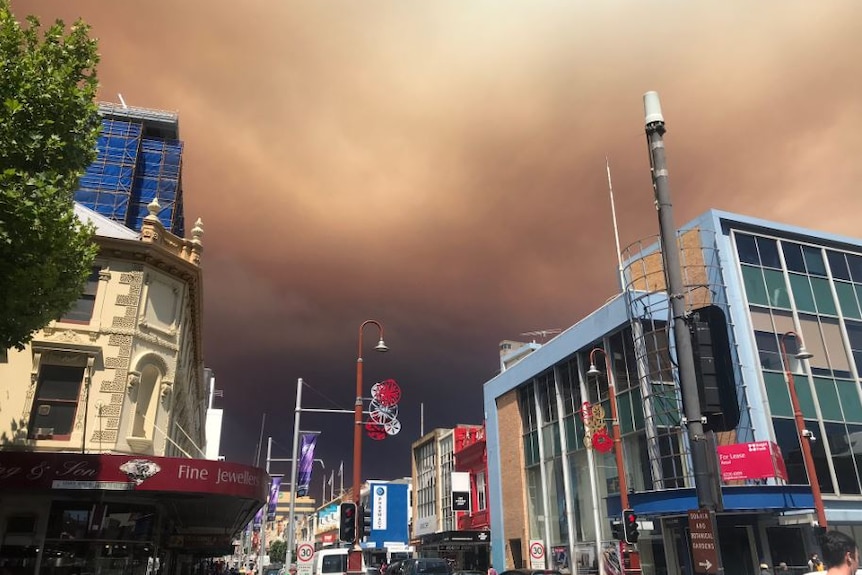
{"type": "Point", "coordinates": [273, 498]}
{"type": "Point", "coordinates": [306, 461]}
{"type": "Point", "coordinates": [258, 519]}
{"type": "Point", "coordinates": [460, 491]}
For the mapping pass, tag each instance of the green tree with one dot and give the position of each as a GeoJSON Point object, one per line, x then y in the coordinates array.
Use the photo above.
{"type": "Point", "coordinates": [277, 551]}
{"type": "Point", "coordinates": [49, 124]}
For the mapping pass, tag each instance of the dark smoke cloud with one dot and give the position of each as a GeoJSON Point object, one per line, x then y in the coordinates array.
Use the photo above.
{"type": "Point", "coordinates": [440, 166]}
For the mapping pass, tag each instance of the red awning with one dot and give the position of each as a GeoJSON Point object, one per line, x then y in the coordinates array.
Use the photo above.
{"type": "Point", "coordinates": [200, 494]}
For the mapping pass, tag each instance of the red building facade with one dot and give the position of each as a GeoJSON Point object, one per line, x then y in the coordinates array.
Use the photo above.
{"type": "Point", "coordinates": [471, 456]}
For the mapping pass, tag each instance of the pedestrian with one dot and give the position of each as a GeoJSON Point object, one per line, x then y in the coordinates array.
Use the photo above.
{"type": "Point", "coordinates": [840, 553]}
{"type": "Point", "coordinates": [491, 570]}
{"type": "Point", "coordinates": [815, 564]}
{"type": "Point", "coordinates": [764, 569]}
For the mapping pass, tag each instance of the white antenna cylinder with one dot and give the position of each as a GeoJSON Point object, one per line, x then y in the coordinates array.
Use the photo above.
{"type": "Point", "coordinates": [652, 109]}
{"type": "Point", "coordinates": [123, 102]}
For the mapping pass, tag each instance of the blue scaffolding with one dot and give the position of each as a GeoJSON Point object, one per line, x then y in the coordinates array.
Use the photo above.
{"type": "Point", "coordinates": [135, 164]}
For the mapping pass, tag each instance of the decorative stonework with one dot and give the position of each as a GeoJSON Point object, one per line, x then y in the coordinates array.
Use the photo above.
{"type": "Point", "coordinates": [105, 436]}
{"type": "Point", "coordinates": [134, 380]}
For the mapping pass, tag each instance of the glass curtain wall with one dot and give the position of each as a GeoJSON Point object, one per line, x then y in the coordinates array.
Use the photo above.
{"type": "Point", "coordinates": [815, 292]}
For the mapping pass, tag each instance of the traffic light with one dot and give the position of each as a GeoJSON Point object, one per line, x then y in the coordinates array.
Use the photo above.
{"type": "Point", "coordinates": [617, 530]}
{"type": "Point", "coordinates": [347, 522]}
{"type": "Point", "coordinates": [630, 526]}
{"type": "Point", "coordinates": [365, 515]}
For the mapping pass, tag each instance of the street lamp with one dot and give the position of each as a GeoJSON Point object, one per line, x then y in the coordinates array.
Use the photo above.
{"type": "Point", "coordinates": [804, 435]}
{"type": "Point", "coordinates": [615, 426]}
{"type": "Point", "coordinates": [355, 557]}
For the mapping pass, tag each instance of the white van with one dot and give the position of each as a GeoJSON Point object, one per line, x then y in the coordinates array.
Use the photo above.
{"type": "Point", "coordinates": [331, 562]}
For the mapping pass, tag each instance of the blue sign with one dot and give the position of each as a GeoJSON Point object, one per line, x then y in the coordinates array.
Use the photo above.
{"type": "Point", "coordinates": [388, 514]}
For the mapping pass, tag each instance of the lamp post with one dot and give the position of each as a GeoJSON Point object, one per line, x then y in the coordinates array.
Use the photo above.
{"type": "Point", "coordinates": [804, 435]}
{"type": "Point", "coordinates": [355, 556]}
{"type": "Point", "coordinates": [615, 426]}
{"type": "Point", "coordinates": [618, 443]}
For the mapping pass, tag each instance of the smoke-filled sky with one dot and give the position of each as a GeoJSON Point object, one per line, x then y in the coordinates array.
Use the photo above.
{"type": "Point", "coordinates": [439, 166]}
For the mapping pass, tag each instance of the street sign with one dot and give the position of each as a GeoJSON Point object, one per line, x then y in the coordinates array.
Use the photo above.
{"type": "Point", "coordinates": [304, 557]}
{"type": "Point", "coordinates": [704, 554]}
{"type": "Point", "coordinates": [537, 554]}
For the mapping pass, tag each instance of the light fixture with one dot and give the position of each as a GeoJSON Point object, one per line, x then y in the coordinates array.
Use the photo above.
{"type": "Point", "coordinates": [593, 371]}
{"type": "Point", "coordinates": [803, 353]}
{"type": "Point", "coordinates": [381, 346]}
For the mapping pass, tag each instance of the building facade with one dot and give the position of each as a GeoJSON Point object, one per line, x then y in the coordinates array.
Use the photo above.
{"type": "Point", "coordinates": [439, 530]}
{"type": "Point", "coordinates": [103, 442]}
{"type": "Point", "coordinates": [774, 288]}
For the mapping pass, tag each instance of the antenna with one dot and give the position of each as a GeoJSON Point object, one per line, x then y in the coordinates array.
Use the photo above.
{"type": "Point", "coordinates": [123, 102]}
{"type": "Point", "coordinates": [543, 333]}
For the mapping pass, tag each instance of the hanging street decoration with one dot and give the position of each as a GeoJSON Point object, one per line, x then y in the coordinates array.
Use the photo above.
{"type": "Point", "coordinates": [595, 429]}
{"type": "Point", "coordinates": [383, 410]}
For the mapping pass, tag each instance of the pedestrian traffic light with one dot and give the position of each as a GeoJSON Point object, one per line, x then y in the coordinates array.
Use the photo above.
{"type": "Point", "coordinates": [630, 526]}
{"type": "Point", "coordinates": [365, 515]}
{"type": "Point", "coordinates": [347, 523]}
{"type": "Point", "coordinates": [617, 530]}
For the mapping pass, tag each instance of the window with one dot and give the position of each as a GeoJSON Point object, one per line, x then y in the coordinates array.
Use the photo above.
{"type": "Point", "coordinates": [82, 311]}
{"type": "Point", "coordinates": [480, 492]}
{"type": "Point", "coordinates": [56, 402]}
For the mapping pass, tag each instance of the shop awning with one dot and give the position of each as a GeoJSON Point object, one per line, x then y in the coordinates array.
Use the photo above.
{"type": "Point", "coordinates": [202, 497]}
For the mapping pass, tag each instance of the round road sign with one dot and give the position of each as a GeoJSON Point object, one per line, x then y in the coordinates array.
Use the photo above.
{"type": "Point", "coordinates": [537, 550]}
{"type": "Point", "coordinates": [304, 553]}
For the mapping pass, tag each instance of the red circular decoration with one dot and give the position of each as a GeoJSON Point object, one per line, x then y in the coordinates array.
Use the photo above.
{"type": "Point", "coordinates": [375, 431]}
{"type": "Point", "coordinates": [602, 441]}
{"type": "Point", "coordinates": [386, 392]}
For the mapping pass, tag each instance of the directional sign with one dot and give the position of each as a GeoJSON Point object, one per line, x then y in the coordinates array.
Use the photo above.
{"type": "Point", "coordinates": [703, 550]}
{"type": "Point", "coordinates": [537, 554]}
{"type": "Point", "coordinates": [304, 557]}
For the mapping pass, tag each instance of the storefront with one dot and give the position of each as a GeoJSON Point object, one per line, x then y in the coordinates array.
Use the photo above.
{"type": "Point", "coordinates": [466, 549]}
{"type": "Point", "coordinates": [75, 514]}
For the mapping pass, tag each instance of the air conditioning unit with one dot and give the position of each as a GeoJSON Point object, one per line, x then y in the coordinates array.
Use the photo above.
{"type": "Point", "coordinates": [44, 432]}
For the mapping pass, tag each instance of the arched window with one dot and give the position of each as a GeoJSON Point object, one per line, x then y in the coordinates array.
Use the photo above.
{"type": "Point", "coordinates": [146, 402]}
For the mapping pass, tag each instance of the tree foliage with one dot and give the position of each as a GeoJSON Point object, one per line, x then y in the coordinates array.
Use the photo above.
{"type": "Point", "coordinates": [277, 551]}
{"type": "Point", "coordinates": [49, 124]}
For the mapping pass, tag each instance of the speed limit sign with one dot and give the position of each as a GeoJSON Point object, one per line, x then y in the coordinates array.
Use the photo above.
{"type": "Point", "coordinates": [304, 555]}
{"type": "Point", "coordinates": [537, 554]}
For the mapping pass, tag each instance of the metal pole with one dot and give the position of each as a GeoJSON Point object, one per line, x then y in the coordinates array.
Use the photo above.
{"type": "Point", "coordinates": [708, 493]}
{"type": "Point", "coordinates": [675, 287]}
{"type": "Point", "coordinates": [593, 473]}
{"type": "Point", "coordinates": [263, 520]}
{"type": "Point", "coordinates": [291, 534]}
{"type": "Point", "coordinates": [354, 559]}
{"type": "Point", "coordinates": [804, 435]}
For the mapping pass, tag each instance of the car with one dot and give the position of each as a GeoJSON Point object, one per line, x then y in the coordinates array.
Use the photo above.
{"type": "Point", "coordinates": [468, 572]}
{"type": "Point", "coordinates": [425, 566]}
{"type": "Point", "coordinates": [530, 572]}
{"type": "Point", "coordinates": [394, 568]}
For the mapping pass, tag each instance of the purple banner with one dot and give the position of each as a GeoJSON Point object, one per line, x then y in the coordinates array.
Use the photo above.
{"type": "Point", "coordinates": [306, 460]}
{"type": "Point", "coordinates": [273, 498]}
{"type": "Point", "coordinates": [258, 519]}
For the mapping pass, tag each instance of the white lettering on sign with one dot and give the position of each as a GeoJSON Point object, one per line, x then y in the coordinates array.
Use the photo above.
{"type": "Point", "coordinates": [194, 473]}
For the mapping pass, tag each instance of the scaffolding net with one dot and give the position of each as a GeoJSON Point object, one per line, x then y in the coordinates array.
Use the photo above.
{"type": "Point", "coordinates": [652, 331]}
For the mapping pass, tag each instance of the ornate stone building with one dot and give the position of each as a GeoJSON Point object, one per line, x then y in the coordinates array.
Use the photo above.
{"type": "Point", "coordinates": [122, 371]}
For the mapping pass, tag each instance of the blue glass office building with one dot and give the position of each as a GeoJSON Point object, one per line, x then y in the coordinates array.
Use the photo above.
{"type": "Point", "coordinates": [767, 280]}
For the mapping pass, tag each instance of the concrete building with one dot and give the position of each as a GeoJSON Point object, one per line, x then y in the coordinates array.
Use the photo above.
{"type": "Point", "coordinates": [102, 443]}
{"type": "Point", "coordinates": [772, 287]}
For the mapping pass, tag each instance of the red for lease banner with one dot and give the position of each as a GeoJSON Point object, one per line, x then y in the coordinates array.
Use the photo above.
{"type": "Point", "coordinates": [756, 460]}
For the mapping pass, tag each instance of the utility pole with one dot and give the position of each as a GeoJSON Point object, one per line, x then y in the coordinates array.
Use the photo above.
{"type": "Point", "coordinates": [706, 485]}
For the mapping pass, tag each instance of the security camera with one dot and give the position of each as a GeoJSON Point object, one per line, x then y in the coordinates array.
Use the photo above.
{"type": "Point", "coordinates": [811, 437]}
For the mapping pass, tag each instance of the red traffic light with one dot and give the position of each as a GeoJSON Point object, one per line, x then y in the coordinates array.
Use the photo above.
{"type": "Point", "coordinates": [631, 518]}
